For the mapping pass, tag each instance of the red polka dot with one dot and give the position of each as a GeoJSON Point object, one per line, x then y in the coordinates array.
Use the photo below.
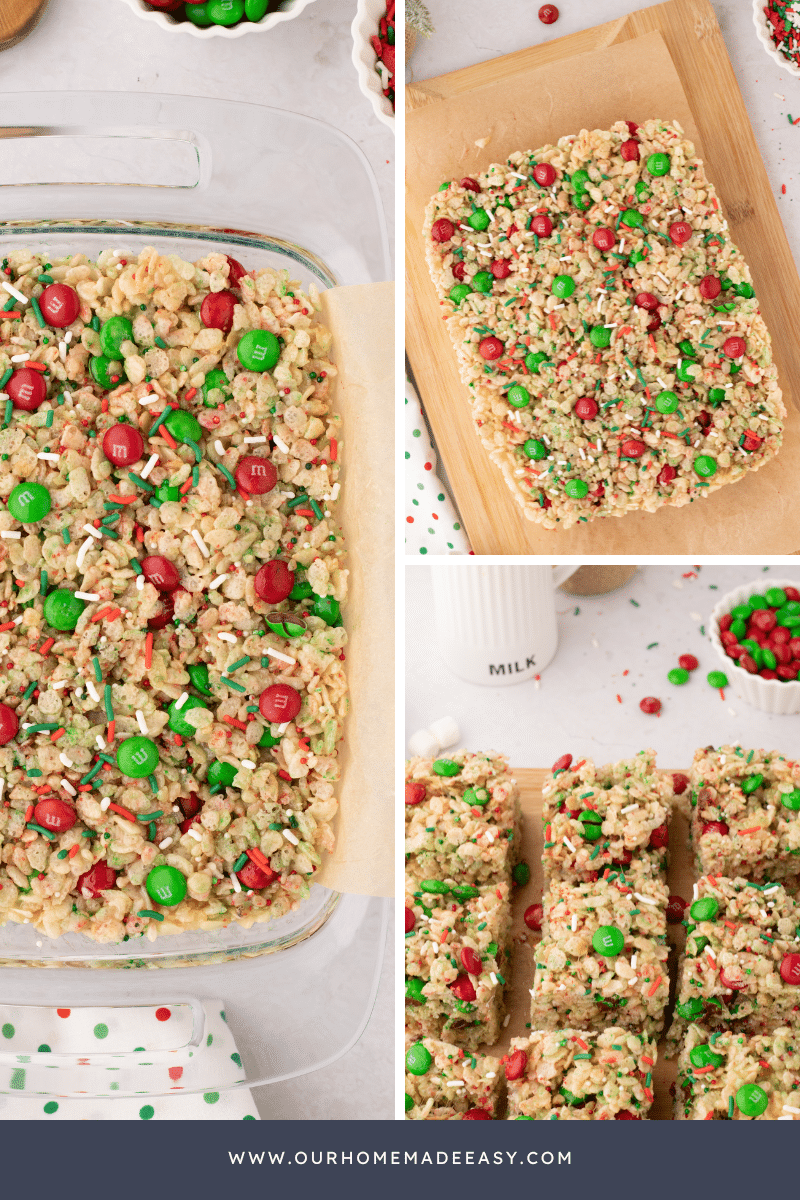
{"type": "Point", "coordinates": [163, 1014]}
{"type": "Point", "coordinates": [63, 1012]}
{"type": "Point", "coordinates": [175, 1072]}
{"type": "Point", "coordinates": [410, 520]}
{"type": "Point", "coordinates": [435, 516]}
{"type": "Point", "coordinates": [428, 466]}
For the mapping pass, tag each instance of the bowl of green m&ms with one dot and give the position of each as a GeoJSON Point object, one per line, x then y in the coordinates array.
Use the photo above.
{"type": "Point", "coordinates": [217, 18]}
{"type": "Point", "coordinates": [755, 630]}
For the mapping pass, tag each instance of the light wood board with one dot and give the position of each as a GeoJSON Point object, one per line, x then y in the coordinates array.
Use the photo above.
{"type": "Point", "coordinates": [17, 19]}
{"type": "Point", "coordinates": [765, 519]}
{"type": "Point", "coordinates": [680, 880]}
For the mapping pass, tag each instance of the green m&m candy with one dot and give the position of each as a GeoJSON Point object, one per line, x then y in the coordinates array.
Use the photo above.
{"type": "Point", "coordinates": [29, 502]}
{"type": "Point", "coordinates": [62, 609]}
{"type": "Point", "coordinates": [751, 1100]}
{"type": "Point", "coordinates": [476, 796]}
{"type": "Point", "coordinates": [517, 396]}
{"type": "Point", "coordinates": [637, 256]}
{"type": "Point", "coordinates": [642, 191]}
{"type": "Point", "coordinates": [220, 772]}
{"type": "Point", "coordinates": [446, 766]}
{"type": "Point", "coordinates": [215, 380]}
{"type": "Point", "coordinates": [576, 489]}
{"type": "Point", "coordinates": [705, 466]}
{"type": "Point", "coordinates": [534, 361]}
{"type": "Point", "coordinates": [704, 1056]}
{"type": "Point", "coordinates": [658, 164]}
{"type": "Point", "coordinates": [198, 674]}
{"type": "Point", "coordinates": [690, 1010]}
{"type": "Point", "coordinates": [302, 590]}
{"type": "Point", "coordinates": [328, 610]}
{"type": "Point", "coordinates": [183, 426]}
{"type": "Point", "coordinates": [600, 337]}
{"type": "Point", "coordinates": [464, 891]}
{"type": "Point", "coordinates": [580, 178]}
{"type": "Point", "coordinates": [745, 290]}
{"type": "Point", "coordinates": [687, 370]}
{"type": "Point", "coordinates": [259, 350]}
{"type": "Point", "coordinates": [166, 885]}
{"type": "Point", "coordinates": [563, 286]}
{"type": "Point", "coordinates": [592, 824]}
{"type": "Point", "coordinates": [678, 676]}
{"type": "Point", "coordinates": [409, 1102]}
{"type": "Point", "coordinates": [687, 348]}
{"type": "Point", "coordinates": [534, 449]}
{"type": "Point", "coordinates": [418, 1059]}
{"type": "Point", "coordinates": [570, 1098]}
{"type": "Point", "coordinates": [176, 716]}
{"type": "Point", "coordinates": [521, 874]}
{"type": "Point", "coordinates": [752, 784]}
{"type": "Point", "coordinates": [716, 396]}
{"type": "Point", "coordinates": [667, 402]}
{"type": "Point", "coordinates": [704, 909]}
{"type": "Point", "coordinates": [770, 661]}
{"type": "Point", "coordinates": [717, 679]}
{"type": "Point", "coordinates": [225, 12]}
{"type": "Point", "coordinates": [166, 491]}
{"type": "Point", "coordinates": [414, 987]}
{"type": "Point", "coordinates": [137, 757]}
{"type": "Point", "coordinates": [791, 800]}
{"type": "Point", "coordinates": [285, 624]}
{"type": "Point", "coordinates": [105, 371]}
{"type": "Point", "coordinates": [522, 1117]}
{"type": "Point", "coordinates": [700, 944]}
{"type": "Point", "coordinates": [483, 281]}
{"type": "Point", "coordinates": [459, 292]}
{"type": "Point", "coordinates": [478, 220]}
{"type": "Point", "coordinates": [254, 10]}
{"type": "Point", "coordinates": [634, 220]}
{"type": "Point", "coordinates": [266, 740]}
{"type": "Point", "coordinates": [775, 597]}
{"type": "Point", "coordinates": [608, 941]}
{"type": "Point", "coordinates": [198, 14]}
{"type": "Point", "coordinates": [434, 887]}
{"type": "Point", "coordinates": [113, 333]}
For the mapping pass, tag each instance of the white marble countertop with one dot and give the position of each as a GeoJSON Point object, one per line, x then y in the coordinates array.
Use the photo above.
{"type": "Point", "coordinates": [303, 65]}
{"type": "Point", "coordinates": [602, 653]}
{"type": "Point", "coordinates": [469, 32]}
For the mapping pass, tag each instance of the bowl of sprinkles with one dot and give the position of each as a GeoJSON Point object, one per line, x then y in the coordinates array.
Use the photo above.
{"type": "Point", "coordinates": [373, 55]}
{"type": "Point", "coordinates": [217, 18]}
{"type": "Point", "coordinates": [755, 630]}
{"type": "Point", "coordinates": [778, 27]}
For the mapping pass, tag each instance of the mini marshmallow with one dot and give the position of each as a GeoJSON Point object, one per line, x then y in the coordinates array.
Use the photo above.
{"type": "Point", "coordinates": [423, 743]}
{"type": "Point", "coordinates": [445, 731]}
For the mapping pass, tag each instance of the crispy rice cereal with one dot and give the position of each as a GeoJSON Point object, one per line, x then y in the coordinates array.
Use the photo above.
{"type": "Point", "coordinates": [741, 965]}
{"type": "Point", "coordinates": [746, 813]}
{"type": "Point", "coordinates": [731, 1077]}
{"type": "Point", "coordinates": [605, 325]}
{"type": "Point", "coordinates": [462, 818]}
{"type": "Point", "coordinates": [575, 1075]}
{"type": "Point", "coordinates": [237, 805]}
{"type": "Point", "coordinates": [605, 817]}
{"type": "Point", "coordinates": [458, 958]}
{"type": "Point", "coordinates": [444, 1083]}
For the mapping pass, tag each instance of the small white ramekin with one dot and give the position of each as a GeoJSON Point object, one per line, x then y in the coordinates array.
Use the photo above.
{"type": "Point", "coordinates": [765, 37]}
{"type": "Point", "coordinates": [365, 25]}
{"type": "Point", "coordinates": [769, 695]}
{"type": "Point", "coordinates": [165, 20]}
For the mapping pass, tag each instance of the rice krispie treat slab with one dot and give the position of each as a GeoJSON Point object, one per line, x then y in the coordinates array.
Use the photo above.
{"type": "Point", "coordinates": [444, 1083]}
{"type": "Point", "coordinates": [576, 1075]}
{"type": "Point", "coordinates": [605, 325]}
{"type": "Point", "coordinates": [741, 965]}
{"type": "Point", "coordinates": [462, 818]}
{"type": "Point", "coordinates": [605, 817]}
{"type": "Point", "coordinates": [457, 961]}
{"type": "Point", "coordinates": [732, 1077]}
{"type": "Point", "coordinates": [745, 813]}
{"type": "Point", "coordinates": [173, 693]}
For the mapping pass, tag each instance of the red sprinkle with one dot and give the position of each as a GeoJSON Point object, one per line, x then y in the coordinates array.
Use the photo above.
{"type": "Point", "coordinates": [123, 812]}
{"type": "Point", "coordinates": [148, 651]}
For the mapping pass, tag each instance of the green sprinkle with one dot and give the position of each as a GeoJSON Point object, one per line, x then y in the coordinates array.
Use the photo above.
{"type": "Point", "coordinates": [111, 518]}
{"type": "Point", "coordinates": [6, 377]}
{"type": "Point", "coordinates": [44, 278]}
{"type": "Point", "coordinates": [195, 475]}
{"type": "Point", "coordinates": [241, 860]}
{"type": "Point", "coordinates": [109, 707]}
{"type": "Point", "coordinates": [137, 479]}
{"type": "Point", "coordinates": [240, 662]}
{"type": "Point", "coordinates": [87, 833]}
{"type": "Point", "coordinates": [137, 566]}
{"type": "Point", "coordinates": [162, 416]}
{"type": "Point", "coordinates": [51, 837]}
{"type": "Point", "coordinates": [9, 412]}
{"type": "Point", "coordinates": [730, 1108]}
{"type": "Point", "coordinates": [317, 510]}
{"type": "Point", "coordinates": [635, 603]}
{"type": "Point", "coordinates": [37, 310]}
{"type": "Point", "coordinates": [296, 501]}
{"type": "Point", "coordinates": [151, 831]}
{"type": "Point", "coordinates": [237, 687]}
{"type": "Point", "coordinates": [227, 474]}
{"type": "Point", "coordinates": [62, 854]}
{"type": "Point", "coordinates": [26, 695]}
{"type": "Point", "coordinates": [98, 766]}
{"type": "Point", "coordinates": [652, 645]}
{"type": "Point", "coordinates": [198, 454]}
{"type": "Point", "coordinates": [109, 504]}
{"type": "Point", "coordinates": [148, 817]}
{"type": "Point", "coordinates": [148, 912]}
{"type": "Point", "coordinates": [47, 726]}
{"type": "Point", "coordinates": [49, 419]}
{"type": "Point", "coordinates": [96, 323]}
{"type": "Point", "coordinates": [9, 304]}
{"type": "Point", "coordinates": [151, 779]}
{"type": "Point", "coordinates": [43, 582]}
{"type": "Point", "coordinates": [161, 343]}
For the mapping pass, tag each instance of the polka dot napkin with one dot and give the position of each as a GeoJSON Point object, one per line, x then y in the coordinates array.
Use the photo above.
{"type": "Point", "coordinates": [432, 524]}
{"type": "Point", "coordinates": [177, 1048]}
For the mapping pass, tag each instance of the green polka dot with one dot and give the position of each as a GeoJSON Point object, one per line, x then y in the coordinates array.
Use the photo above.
{"type": "Point", "coordinates": [420, 487]}
{"type": "Point", "coordinates": [51, 1107]}
{"type": "Point", "coordinates": [44, 1049]}
{"type": "Point", "coordinates": [456, 526]}
{"type": "Point", "coordinates": [18, 1079]}
{"type": "Point", "coordinates": [415, 503]}
{"type": "Point", "coordinates": [407, 456]}
{"type": "Point", "coordinates": [423, 550]}
{"type": "Point", "coordinates": [114, 1087]}
{"type": "Point", "coordinates": [136, 1049]}
{"type": "Point", "coordinates": [147, 1112]}
{"type": "Point", "coordinates": [416, 433]}
{"type": "Point", "coordinates": [432, 531]}
{"type": "Point", "coordinates": [449, 545]}
{"type": "Point", "coordinates": [211, 1097]}
{"type": "Point", "coordinates": [209, 1039]}
{"type": "Point", "coordinates": [237, 1059]}
{"type": "Point", "coordinates": [101, 1031]}
{"type": "Point", "coordinates": [248, 1118]}
{"type": "Point", "coordinates": [222, 1014]}
{"type": "Point", "coordinates": [440, 497]}
{"type": "Point", "coordinates": [8, 1031]}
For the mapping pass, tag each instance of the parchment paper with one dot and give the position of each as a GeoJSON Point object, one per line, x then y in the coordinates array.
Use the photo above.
{"type": "Point", "coordinates": [362, 321]}
{"type": "Point", "coordinates": [633, 80]}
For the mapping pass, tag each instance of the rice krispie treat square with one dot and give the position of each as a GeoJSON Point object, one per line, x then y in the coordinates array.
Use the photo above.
{"type": "Point", "coordinates": [745, 812]}
{"type": "Point", "coordinates": [733, 1077]}
{"type": "Point", "coordinates": [741, 965]}
{"type": "Point", "coordinates": [605, 325]}
{"type": "Point", "coordinates": [444, 1083]}
{"type": "Point", "coordinates": [595, 965]}
{"type": "Point", "coordinates": [577, 1075]}
{"type": "Point", "coordinates": [462, 818]}
{"type": "Point", "coordinates": [458, 959]}
{"type": "Point", "coordinates": [605, 817]}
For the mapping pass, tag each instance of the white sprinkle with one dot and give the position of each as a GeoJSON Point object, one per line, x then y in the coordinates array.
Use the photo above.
{"type": "Point", "coordinates": [10, 533]}
{"type": "Point", "coordinates": [248, 762]}
{"type": "Point", "coordinates": [198, 837]}
{"type": "Point", "coordinates": [218, 446]}
{"type": "Point", "coordinates": [86, 546]}
{"type": "Point", "coordinates": [789, 1108]}
{"type": "Point", "coordinates": [622, 245]}
{"type": "Point", "coordinates": [710, 953]}
{"type": "Point", "coordinates": [493, 977]}
{"type": "Point", "coordinates": [166, 842]}
{"type": "Point", "coordinates": [148, 398]}
{"type": "Point", "coordinates": [769, 890]}
{"type": "Point", "coordinates": [569, 845]}
{"type": "Point", "coordinates": [282, 728]}
{"type": "Point", "coordinates": [104, 803]}
{"type": "Point", "coordinates": [694, 892]}
{"type": "Point", "coordinates": [630, 808]}
{"type": "Point", "coordinates": [645, 899]}
{"type": "Point", "coordinates": [660, 276]}
{"type": "Point", "coordinates": [68, 337]}
{"type": "Point", "coordinates": [12, 291]}
{"type": "Point", "coordinates": [216, 582]}
{"type": "Point", "coordinates": [90, 529]}
{"type": "Point", "coordinates": [237, 887]}
{"type": "Point", "coordinates": [139, 583]}
{"type": "Point", "coordinates": [151, 462]}
{"type": "Point", "coordinates": [278, 654]}
{"type": "Point", "coordinates": [62, 351]}
{"type": "Point", "coordinates": [778, 96]}
{"type": "Point", "coordinates": [226, 637]}
{"type": "Point", "coordinates": [142, 722]}
{"type": "Point", "coordinates": [204, 550]}
{"type": "Point", "coordinates": [66, 760]}
{"type": "Point", "coordinates": [517, 175]}
{"type": "Point", "coordinates": [92, 690]}
{"type": "Point", "coordinates": [280, 444]}
{"type": "Point", "coordinates": [633, 961]}
{"type": "Point", "coordinates": [88, 595]}
{"type": "Point", "coordinates": [184, 696]}
{"type": "Point", "coordinates": [18, 620]}
{"type": "Point", "coordinates": [574, 922]}
{"type": "Point", "coordinates": [287, 833]}
{"type": "Point", "coordinates": [253, 440]}
{"type": "Point", "coordinates": [455, 1083]}
{"type": "Point", "coordinates": [20, 357]}
{"type": "Point", "coordinates": [100, 742]}
{"type": "Point", "coordinates": [68, 788]}
{"type": "Point", "coordinates": [48, 457]}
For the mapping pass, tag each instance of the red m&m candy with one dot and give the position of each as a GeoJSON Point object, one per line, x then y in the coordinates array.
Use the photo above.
{"type": "Point", "coordinates": [471, 961]}
{"type": "Point", "coordinates": [563, 763]}
{"type": "Point", "coordinates": [632, 448]}
{"type": "Point", "coordinates": [160, 572]}
{"type": "Point", "coordinates": [603, 238]}
{"type": "Point", "coordinates": [544, 174]}
{"type": "Point", "coordinates": [279, 703]}
{"type": "Point", "coordinates": [56, 815]}
{"type": "Point", "coordinates": [790, 969]}
{"type": "Point", "coordinates": [236, 271]}
{"type": "Point", "coordinates": [680, 782]}
{"type": "Point", "coordinates": [99, 878]}
{"type": "Point", "coordinates": [659, 838]}
{"type": "Point", "coordinates": [501, 268]}
{"type": "Point", "coordinates": [650, 704]}
{"type": "Point", "coordinates": [274, 581]}
{"type": "Point", "coordinates": [533, 916]}
{"type": "Point", "coordinates": [27, 389]}
{"type": "Point", "coordinates": [415, 792]}
{"type": "Point", "coordinates": [632, 127]}
{"type": "Point", "coordinates": [646, 300]}
{"type": "Point", "coordinates": [666, 475]}
{"type": "Point", "coordinates": [9, 724]}
{"type": "Point", "coordinates": [190, 805]}
{"type": "Point", "coordinates": [442, 230]}
{"type": "Point", "coordinates": [216, 311]}
{"type": "Point", "coordinates": [541, 225]}
{"type": "Point", "coordinates": [516, 1064]}
{"type": "Point", "coordinates": [60, 305]}
{"type": "Point", "coordinates": [470, 184]}
{"type": "Point", "coordinates": [490, 348]}
{"type": "Point", "coordinates": [714, 827]}
{"type": "Point", "coordinates": [680, 232]}
{"type": "Point", "coordinates": [475, 1114]}
{"type": "Point", "coordinates": [459, 270]}
{"type": "Point", "coordinates": [167, 610]}
{"type": "Point", "coordinates": [710, 287]}
{"type": "Point", "coordinates": [688, 662]}
{"type": "Point", "coordinates": [463, 989]}
{"type": "Point", "coordinates": [734, 347]}
{"type": "Point", "coordinates": [255, 877]}
{"type": "Point", "coordinates": [630, 150]}
{"type": "Point", "coordinates": [123, 444]}
{"type": "Point", "coordinates": [411, 920]}
{"type": "Point", "coordinates": [548, 14]}
{"type": "Point", "coordinates": [256, 475]}
{"type": "Point", "coordinates": [676, 906]}
{"type": "Point", "coordinates": [586, 408]}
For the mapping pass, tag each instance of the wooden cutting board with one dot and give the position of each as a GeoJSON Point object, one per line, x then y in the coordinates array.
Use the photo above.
{"type": "Point", "coordinates": [756, 515]}
{"type": "Point", "coordinates": [17, 19]}
{"type": "Point", "coordinates": [680, 879]}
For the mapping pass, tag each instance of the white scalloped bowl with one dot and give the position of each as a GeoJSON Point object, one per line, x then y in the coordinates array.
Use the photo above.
{"type": "Point", "coordinates": [765, 37]}
{"type": "Point", "coordinates": [365, 26]}
{"type": "Point", "coordinates": [769, 695]}
{"type": "Point", "coordinates": [289, 9]}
